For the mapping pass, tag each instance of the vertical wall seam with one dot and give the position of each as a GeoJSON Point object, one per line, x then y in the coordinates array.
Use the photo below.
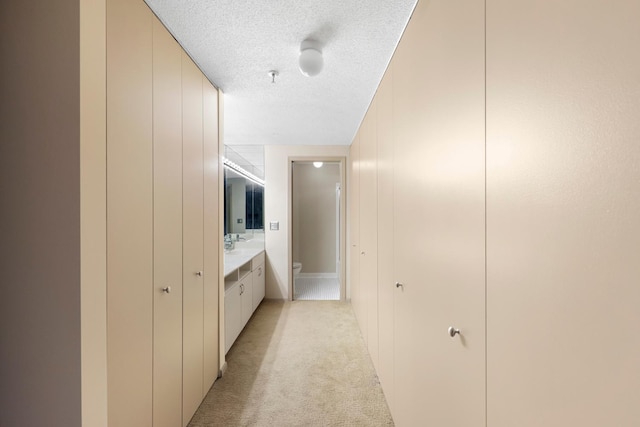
{"type": "Point", "coordinates": [182, 223]}
{"type": "Point", "coordinates": [106, 193]}
{"type": "Point", "coordinates": [204, 275]}
{"type": "Point", "coordinates": [153, 225]}
{"type": "Point", "coordinates": [486, 364]}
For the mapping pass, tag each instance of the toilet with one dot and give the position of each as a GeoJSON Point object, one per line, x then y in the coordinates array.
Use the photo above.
{"type": "Point", "coordinates": [297, 267]}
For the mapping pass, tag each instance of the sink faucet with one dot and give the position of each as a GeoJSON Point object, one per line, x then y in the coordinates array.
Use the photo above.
{"type": "Point", "coordinates": [228, 243]}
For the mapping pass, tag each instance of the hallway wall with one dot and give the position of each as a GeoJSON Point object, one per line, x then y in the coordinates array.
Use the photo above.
{"type": "Point", "coordinates": [40, 214]}
{"type": "Point", "coordinates": [498, 287]}
{"type": "Point", "coordinates": [53, 158]}
{"type": "Point", "coordinates": [162, 234]}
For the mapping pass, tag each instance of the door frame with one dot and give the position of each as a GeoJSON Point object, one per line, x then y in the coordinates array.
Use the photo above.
{"type": "Point", "coordinates": [342, 161]}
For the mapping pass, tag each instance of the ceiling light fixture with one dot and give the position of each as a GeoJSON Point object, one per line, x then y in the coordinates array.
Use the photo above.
{"type": "Point", "coordinates": [311, 60]}
{"type": "Point", "coordinates": [241, 171]}
{"type": "Point", "coordinates": [317, 164]}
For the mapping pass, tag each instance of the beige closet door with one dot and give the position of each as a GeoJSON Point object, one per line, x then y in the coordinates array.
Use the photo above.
{"type": "Point", "coordinates": [563, 208]}
{"type": "Point", "coordinates": [438, 113]}
{"type": "Point", "coordinates": [369, 231]}
{"type": "Point", "coordinates": [354, 230]}
{"type": "Point", "coordinates": [193, 258]}
{"type": "Point", "coordinates": [167, 228]}
{"type": "Point", "coordinates": [211, 239]}
{"type": "Point", "coordinates": [386, 277]}
{"type": "Point", "coordinates": [129, 214]}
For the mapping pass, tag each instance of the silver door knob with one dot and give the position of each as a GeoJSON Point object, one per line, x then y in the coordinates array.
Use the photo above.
{"type": "Point", "coordinates": [453, 331]}
{"type": "Point", "coordinates": [167, 290]}
{"type": "Point", "coordinates": [399, 285]}
{"type": "Point", "coordinates": [199, 273]}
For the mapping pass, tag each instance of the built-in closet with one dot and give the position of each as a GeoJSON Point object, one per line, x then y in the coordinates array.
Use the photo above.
{"type": "Point", "coordinates": [162, 224]}
{"type": "Point", "coordinates": [493, 216]}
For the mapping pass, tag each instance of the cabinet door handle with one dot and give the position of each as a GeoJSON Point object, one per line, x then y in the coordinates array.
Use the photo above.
{"type": "Point", "coordinates": [199, 273]}
{"type": "Point", "coordinates": [241, 288]}
{"type": "Point", "coordinates": [259, 271]}
{"type": "Point", "coordinates": [167, 290]}
{"type": "Point", "coordinates": [362, 253]}
{"type": "Point", "coordinates": [453, 331]}
{"type": "Point", "coordinates": [399, 285]}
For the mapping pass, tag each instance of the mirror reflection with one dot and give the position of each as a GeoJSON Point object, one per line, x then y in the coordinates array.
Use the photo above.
{"type": "Point", "coordinates": [244, 197]}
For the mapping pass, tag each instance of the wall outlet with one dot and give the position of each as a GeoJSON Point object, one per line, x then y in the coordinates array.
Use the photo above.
{"type": "Point", "coordinates": [274, 225]}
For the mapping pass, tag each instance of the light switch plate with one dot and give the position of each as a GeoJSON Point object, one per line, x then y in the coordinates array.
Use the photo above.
{"type": "Point", "coordinates": [274, 225]}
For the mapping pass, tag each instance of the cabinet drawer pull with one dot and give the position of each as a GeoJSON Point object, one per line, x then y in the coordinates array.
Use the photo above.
{"type": "Point", "coordinates": [453, 331]}
{"type": "Point", "coordinates": [399, 285]}
{"type": "Point", "coordinates": [199, 273]}
{"type": "Point", "coordinates": [167, 290]}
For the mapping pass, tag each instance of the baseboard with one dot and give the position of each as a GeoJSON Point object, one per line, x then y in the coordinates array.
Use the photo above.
{"type": "Point", "coordinates": [318, 275]}
{"type": "Point", "coordinates": [223, 369]}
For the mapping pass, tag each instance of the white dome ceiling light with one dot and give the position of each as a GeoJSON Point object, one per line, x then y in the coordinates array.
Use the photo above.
{"type": "Point", "coordinates": [311, 60]}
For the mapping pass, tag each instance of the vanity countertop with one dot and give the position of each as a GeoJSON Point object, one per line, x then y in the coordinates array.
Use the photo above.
{"type": "Point", "coordinates": [237, 257]}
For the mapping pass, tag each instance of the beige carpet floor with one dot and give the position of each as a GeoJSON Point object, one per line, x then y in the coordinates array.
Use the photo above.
{"type": "Point", "coordinates": [300, 363]}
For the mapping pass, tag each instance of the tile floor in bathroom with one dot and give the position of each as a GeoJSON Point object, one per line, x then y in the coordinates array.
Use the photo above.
{"type": "Point", "coordinates": [316, 288]}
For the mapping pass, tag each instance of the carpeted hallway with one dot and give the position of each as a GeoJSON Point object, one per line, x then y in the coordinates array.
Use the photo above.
{"type": "Point", "coordinates": [300, 363]}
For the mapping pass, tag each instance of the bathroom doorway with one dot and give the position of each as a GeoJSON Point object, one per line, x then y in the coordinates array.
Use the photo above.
{"type": "Point", "coordinates": [317, 215]}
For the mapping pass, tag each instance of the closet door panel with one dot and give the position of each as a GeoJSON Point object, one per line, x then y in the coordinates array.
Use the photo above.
{"type": "Point", "coordinates": [386, 278]}
{"type": "Point", "coordinates": [129, 213]}
{"type": "Point", "coordinates": [369, 231]}
{"type": "Point", "coordinates": [354, 229]}
{"type": "Point", "coordinates": [211, 239]}
{"type": "Point", "coordinates": [167, 228]}
{"type": "Point", "coordinates": [563, 178]}
{"type": "Point", "coordinates": [438, 105]}
{"type": "Point", "coordinates": [193, 262]}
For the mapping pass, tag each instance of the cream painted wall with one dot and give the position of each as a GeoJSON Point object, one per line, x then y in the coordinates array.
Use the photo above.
{"type": "Point", "coordinates": [53, 216]}
{"type": "Point", "coordinates": [277, 174]}
{"type": "Point", "coordinates": [314, 216]}
{"type": "Point", "coordinates": [43, 141]}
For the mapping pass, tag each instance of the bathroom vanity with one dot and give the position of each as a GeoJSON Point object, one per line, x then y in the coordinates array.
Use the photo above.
{"type": "Point", "coordinates": [244, 256]}
{"type": "Point", "coordinates": [244, 288]}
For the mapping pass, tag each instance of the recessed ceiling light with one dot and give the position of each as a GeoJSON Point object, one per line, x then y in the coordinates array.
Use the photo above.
{"type": "Point", "coordinates": [317, 164]}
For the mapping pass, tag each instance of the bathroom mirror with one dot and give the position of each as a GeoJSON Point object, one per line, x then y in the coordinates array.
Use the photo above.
{"type": "Point", "coordinates": [244, 192]}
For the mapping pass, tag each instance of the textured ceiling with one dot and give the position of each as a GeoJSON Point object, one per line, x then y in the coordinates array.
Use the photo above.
{"type": "Point", "coordinates": [237, 42]}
